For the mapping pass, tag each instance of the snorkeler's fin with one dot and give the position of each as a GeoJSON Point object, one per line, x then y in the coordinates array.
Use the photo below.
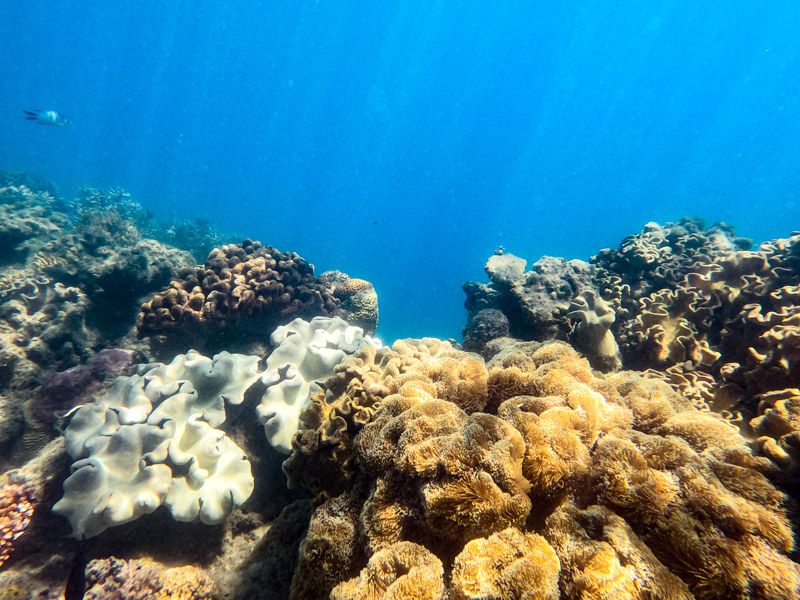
{"type": "Point", "coordinates": [32, 115]}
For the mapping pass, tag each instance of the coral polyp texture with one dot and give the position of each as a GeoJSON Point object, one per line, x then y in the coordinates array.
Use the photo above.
{"type": "Point", "coordinates": [536, 475]}
{"type": "Point", "coordinates": [239, 289]}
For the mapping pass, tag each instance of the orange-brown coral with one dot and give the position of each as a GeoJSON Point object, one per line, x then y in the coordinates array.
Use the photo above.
{"type": "Point", "coordinates": [330, 552]}
{"type": "Point", "coordinates": [323, 454]}
{"type": "Point", "coordinates": [236, 284]}
{"type": "Point", "coordinates": [16, 510]}
{"type": "Point", "coordinates": [465, 472]}
{"type": "Point", "coordinates": [638, 493]}
{"type": "Point", "coordinates": [402, 571]}
{"type": "Point", "coordinates": [507, 564]}
{"type": "Point", "coordinates": [603, 558]}
{"type": "Point", "coordinates": [777, 427]}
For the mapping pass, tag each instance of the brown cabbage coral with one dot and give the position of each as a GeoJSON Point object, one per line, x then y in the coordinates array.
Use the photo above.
{"type": "Point", "coordinates": [402, 571]}
{"type": "Point", "coordinates": [323, 453]}
{"type": "Point", "coordinates": [699, 387]}
{"type": "Point", "coordinates": [668, 329]}
{"type": "Point", "coordinates": [658, 258]}
{"type": "Point", "coordinates": [733, 323]}
{"type": "Point", "coordinates": [242, 287]}
{"type": "Point", "coordinates": [718, 311]}
{"type": "Point", "coordinates": [638, 493]}
{"type": "Point", "coordinates": [16, 510]}
{"type": "Point", "coordinates": [777, 427]}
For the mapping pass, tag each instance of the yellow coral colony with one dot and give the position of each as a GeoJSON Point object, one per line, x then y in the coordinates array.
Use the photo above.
{"type": "Point", "coordinates": [531, 476]}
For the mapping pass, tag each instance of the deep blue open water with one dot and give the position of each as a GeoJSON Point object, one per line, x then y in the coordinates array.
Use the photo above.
{"type": "Point", "coordinates": [402, 142]}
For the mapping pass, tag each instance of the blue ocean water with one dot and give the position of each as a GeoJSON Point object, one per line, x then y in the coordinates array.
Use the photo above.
{"type": "Point", "coordinates": [403, 142]}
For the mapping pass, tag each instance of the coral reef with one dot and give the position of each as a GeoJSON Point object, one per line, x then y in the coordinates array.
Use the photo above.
{"type": "Point", "coordinates": [594, 486]}
{"type": "Point", "coordinates": [692, 306]}
{"type": "Point", "coordinates": [515, 468]}
{"type": "Point", "coordinates": [401, 571]}
{"type": "Point", "coordinates": [43, 327]}
{"type": "Point", "coordinates": [70, 286]}
{"type": "Point", "coordinates": [26, 220]}
{"type": "Point", "coordinates": [535, 302]}
{"type": "Point", "coordinates": [64, 390]}
{"type": "Point", "coordinates": [239, 290]}
{"type": "Point", "coordinates": [658, 258]}
{"type": "Point", "coordinates": [106, 257]}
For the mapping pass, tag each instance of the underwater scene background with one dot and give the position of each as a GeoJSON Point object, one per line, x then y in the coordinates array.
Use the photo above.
{"type": "Point", "coordinates": [436, 300]}
{"type": "Point", "coordinates": [386, 140]}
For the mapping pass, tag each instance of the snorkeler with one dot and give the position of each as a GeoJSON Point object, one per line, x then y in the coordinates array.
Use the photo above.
{"type": "Point", "coordinates": [46, 117]}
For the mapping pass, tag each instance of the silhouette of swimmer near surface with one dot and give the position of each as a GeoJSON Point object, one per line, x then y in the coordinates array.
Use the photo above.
{"type": "Point", "coordinates": [46, 117]}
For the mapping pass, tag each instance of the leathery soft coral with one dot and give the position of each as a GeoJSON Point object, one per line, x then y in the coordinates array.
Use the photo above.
{"type": "Point", "coordinates": [154, 440]}
{"type": "Point", "coordinates": [570, 482]}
